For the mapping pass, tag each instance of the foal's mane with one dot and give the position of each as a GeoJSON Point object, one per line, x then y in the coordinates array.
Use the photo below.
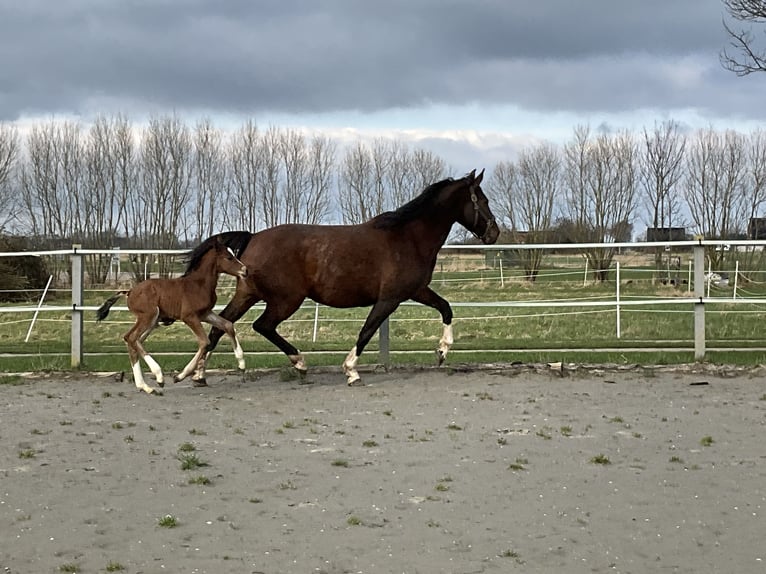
{"type": "Point", "coordinates": [235, 240]}
{"type": "Point", "coordinates": [414, 208]}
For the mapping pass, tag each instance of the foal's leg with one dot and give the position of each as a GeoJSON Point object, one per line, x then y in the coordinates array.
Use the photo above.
{"type": "Point", "coordinates": [225, 326]}
{"type": "Point", "coordinates": [266, 325]}
{"type": "Point", "coordinates": [133, 339]}
{"type": "Point", "coordinates": [430, 298]}
{"type": "Point", "coordinates": [380, 311]}
{"type": "Point", "coordinates": [197, 364]}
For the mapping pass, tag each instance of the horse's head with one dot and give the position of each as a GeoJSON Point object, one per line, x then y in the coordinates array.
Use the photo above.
{"type": "Point", "coordinates": [227, 262]}
{"type": "Point", "coordinates": [476, 216]}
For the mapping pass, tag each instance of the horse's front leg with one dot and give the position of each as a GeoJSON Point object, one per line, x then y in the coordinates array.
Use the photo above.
{"type": "Point", "coordinates": [227, 327]}
{"type": "Point", "coordinates": [379, 313]}
{"type": "Point", "coordinates": [430, 298]}
{"type": "Point", "coordinates": [239, 305]}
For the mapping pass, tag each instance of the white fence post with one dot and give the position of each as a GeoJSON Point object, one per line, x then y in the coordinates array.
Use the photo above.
{"type": "Point", "coordinates": [699, 306]}
{"type": "Point", "coordinates": [617, 296]}
{"type": "Point", "coordinates": [77, 313]}
{"type": "Point", "coordinates": [316, 322]}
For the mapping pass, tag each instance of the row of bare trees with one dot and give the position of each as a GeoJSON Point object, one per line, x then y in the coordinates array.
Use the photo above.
{"type": "Point", "coordinates": [167, 184]}
{"type": "Point", "coordinates": [710, 182]}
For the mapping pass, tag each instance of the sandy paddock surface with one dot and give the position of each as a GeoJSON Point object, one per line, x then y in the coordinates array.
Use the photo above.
{"type": "Point", "coordinates": [499, 469]}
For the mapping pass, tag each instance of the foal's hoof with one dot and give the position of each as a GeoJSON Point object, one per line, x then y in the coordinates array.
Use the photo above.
{"type": "Point", "coordinates": [161, 384]}
{"type": "Point", "coordinates": [440, 357]}
{"type": "Point", "coordinates": [199, 383]}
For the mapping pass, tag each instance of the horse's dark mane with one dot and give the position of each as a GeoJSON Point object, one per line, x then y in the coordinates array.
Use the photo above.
{"type": "Point", "coordinates": [413, 208]}
{"type": "Point", "coordinates": [235, 240]}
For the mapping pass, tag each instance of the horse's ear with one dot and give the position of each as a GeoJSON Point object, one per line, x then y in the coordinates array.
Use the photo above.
{"type": "Point", "coordinates": [479, 177]}
{"type": "Point", "coordinates": [472, 175]}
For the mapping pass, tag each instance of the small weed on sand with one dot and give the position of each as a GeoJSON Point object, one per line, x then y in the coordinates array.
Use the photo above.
{"type": "Point", "coordinates": [167, 521]}
{"type": "Point", "coordinates": [201, 480]}
{"type": "Point", "coordinates": [190, 461]}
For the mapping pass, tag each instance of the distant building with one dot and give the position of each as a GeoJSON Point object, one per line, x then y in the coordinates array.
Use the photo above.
{"type": "Point", "coordinates": [756, 229]}
{"type": "Point", "coordinates": [667, 233]}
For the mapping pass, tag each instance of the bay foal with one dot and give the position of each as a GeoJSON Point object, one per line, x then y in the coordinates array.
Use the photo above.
{"type": "Point", "coordinates": [189, 298]}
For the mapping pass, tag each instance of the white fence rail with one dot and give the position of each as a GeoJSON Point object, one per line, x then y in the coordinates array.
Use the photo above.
{"type": "Point", "coordinates": [697, 297]}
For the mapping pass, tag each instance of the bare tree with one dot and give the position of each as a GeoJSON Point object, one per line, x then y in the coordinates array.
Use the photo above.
{"type": "Point", "coordinates": [161, 209]}
{"type": "Point", "coordinates": [321, 166]}
{"type": "Point", "coordinates": [109, 180]}
{"type": "Point", "coordinates": [747, 57]}
{"type": "Point", "coordinates": [713, 186]}
{"type": "Point", "coordinates": [536, 195]}
{"type": "Point", "coordinates": [44, 196]}
{"type": "Point", "coordinates": [501, 187]}
{"type": "Point", "coordinates": [356, 188]}
{"type": "Point", "coordinates": [241, 208]}
{"type": "Point", "coordinates": [427, 168]}
{"type": "Point", "coordinates": [210, 178]}
{"type": "Point", "coordinates": [600, 175]}
{"type": "Point", "coordinates": [9, 152]}
{"type": "Point", "coordinates": [661, 167]}
{"type": "Point", "coordinates": [527, 192]}
{"type": "Point", "coordinates": [754, 183]}
{"type": "Point", "coordinates": [307, 167]}
{"type": "Point", "coordinates": [270, 182]}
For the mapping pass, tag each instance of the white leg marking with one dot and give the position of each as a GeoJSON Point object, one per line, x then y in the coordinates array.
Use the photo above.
{"type": "Point", "coordinates": [240, 354]}
{"type": "Point", "coordinates": [349, 366]}
{"type": "Point", "coordinates": [155, 368]}
{"type": "Point", "coordinates": [187, 369]}
{"type": "Point", "coordinates": [298, 362]}
{"type": "Point", "coordinates": [445, 343]}
{"type": "Point", "coordinates": [138, 377]}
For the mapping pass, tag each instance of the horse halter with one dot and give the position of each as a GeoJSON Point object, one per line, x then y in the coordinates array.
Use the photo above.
{"type": "Point", "coordinates": [490, 221]}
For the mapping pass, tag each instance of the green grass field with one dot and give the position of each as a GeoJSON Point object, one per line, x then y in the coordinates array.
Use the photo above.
{"type": "Point", "coordinates": [485, 330]}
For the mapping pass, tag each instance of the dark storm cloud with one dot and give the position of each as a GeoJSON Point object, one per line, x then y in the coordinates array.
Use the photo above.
{"type": "Point", "coordinates": [77, 56]}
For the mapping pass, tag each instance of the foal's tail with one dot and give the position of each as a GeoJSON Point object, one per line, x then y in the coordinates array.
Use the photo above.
{"type": "Point", "coordinates": [103, 311]}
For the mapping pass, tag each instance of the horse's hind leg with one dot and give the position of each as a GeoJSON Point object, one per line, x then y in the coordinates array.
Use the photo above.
{"type": "Point", "coordinates": [267, 323]}
{"type": "Point", "coordinates": [430, 298]}
{"type": "Point", "coordinates": [380, 311]}
{"type": "Point", "coordinates": [133, 339]}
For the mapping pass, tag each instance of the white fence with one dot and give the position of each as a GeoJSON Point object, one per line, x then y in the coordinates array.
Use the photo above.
{"type": "Point", "coordinates": [697, 295]}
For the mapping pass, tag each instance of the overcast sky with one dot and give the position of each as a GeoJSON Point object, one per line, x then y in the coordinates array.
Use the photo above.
{"type": "Point", "coordinates": [470, 79]}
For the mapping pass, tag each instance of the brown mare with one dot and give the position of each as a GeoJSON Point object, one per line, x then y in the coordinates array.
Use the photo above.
{"type": "Point", "coordinates": [382, 262]}
{"type": "Point", "coordinates": [189, 298]}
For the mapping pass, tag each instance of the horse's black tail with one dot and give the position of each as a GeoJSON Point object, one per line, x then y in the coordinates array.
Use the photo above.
{"type": "Point", "coordinates": [103, 311]}
{"type": "Point", "coordinates": [235, 240]}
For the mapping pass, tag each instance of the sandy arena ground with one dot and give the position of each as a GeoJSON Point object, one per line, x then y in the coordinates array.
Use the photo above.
{"type": "Point", "coordinates": [457, 470]}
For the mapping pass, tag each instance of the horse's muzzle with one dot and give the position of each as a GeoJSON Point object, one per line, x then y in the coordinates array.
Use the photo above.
{"type": "Point", "coordinates": [491, 233]}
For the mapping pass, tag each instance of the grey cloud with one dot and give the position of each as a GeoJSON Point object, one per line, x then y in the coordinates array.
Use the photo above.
{"type": "Point", "coordinates": [307, 56]}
